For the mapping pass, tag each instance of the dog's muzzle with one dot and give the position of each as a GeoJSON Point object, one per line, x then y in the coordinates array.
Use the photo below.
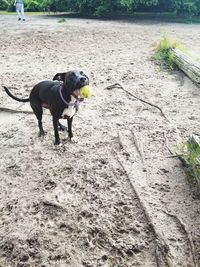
{"type": "Point", "coordinates": [82, 82]}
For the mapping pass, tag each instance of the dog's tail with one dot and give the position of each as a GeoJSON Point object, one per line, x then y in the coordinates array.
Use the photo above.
{"type": "Point", "coordinates": [14, 97]}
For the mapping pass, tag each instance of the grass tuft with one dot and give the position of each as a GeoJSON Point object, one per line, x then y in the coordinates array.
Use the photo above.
{"type": "Point", "coordinates": [163, 52]}
{"type": "Point", "coordinates": [61, 20]}
{"type": "Point", "coordinates": [190, 157]}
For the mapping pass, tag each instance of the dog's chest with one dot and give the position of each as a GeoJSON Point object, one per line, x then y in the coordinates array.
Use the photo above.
{"type": "Point", "coordinates": [70, 111]}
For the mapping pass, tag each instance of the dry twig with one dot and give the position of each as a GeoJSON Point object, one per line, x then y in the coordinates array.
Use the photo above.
{"type": "Point", "coordinates": [167, 145]}
{"type": "Point", "coordinates": [162, 251]}
{"type": "Point", "coordinates": [117, 85]}
{"type": "Point", "coordinates": [188, 235]}
{"type": "Point", "coordinates": [9, 110]}
{"type": "Point", "coordinates": [138, 147]}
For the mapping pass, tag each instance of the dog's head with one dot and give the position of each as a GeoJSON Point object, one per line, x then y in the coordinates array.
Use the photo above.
{"type": "Point", "coordinates": [73, 80]}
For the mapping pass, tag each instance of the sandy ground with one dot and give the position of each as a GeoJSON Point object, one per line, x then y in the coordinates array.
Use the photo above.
{"type": "Point", "coordinates": [116, 197]}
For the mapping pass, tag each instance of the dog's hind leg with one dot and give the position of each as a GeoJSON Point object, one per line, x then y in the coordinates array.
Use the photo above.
{"type": "Point", "coordinates": [37, 109]}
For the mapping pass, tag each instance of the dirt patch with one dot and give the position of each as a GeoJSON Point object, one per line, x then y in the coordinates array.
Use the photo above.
{"type": "Point", "coordinates": [114, 198]}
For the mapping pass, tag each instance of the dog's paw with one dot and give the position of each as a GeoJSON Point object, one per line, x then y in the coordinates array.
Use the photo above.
{"type": "Point", "coordinates": [60, 147]}
{"type": "Point", "coordinates": [73, 140]}
{"type": "Point", "coordinates": [41, 133]}
{"type": "Point", "coordinates": [57, 143]}
{"type": "Point", "coordinates": [42, 138]}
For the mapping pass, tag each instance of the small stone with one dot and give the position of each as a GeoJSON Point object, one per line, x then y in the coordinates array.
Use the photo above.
{"type": "Point", "coordinates": [24, 257]}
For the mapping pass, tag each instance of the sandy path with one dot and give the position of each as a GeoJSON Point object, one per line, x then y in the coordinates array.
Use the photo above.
{"type": "Point", "coordinates": [114, 198]}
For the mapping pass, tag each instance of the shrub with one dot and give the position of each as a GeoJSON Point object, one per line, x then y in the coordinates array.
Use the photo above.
{"type": "Point", "coordinates": [31, 5]}
{"type": "Point", "coordinates": [189, 152]}
{"type": "Point", "coordinates": [189, 7]}
{"type": "Point", "coordinates": [163, 50]}
{"type": "Point", "coordinates": [61, 20]}
{"type": "Point", "coordinates": [3, 5]}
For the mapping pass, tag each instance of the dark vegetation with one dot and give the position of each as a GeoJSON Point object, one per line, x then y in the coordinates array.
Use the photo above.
{"type": "Point", "coordinates": [103, 8]}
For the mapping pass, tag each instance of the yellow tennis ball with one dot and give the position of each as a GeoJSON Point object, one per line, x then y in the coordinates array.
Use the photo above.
{"type": "Point", "coordinates": [85, 92]}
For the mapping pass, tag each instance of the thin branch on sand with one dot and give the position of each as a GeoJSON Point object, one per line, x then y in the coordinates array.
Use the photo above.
{"type": "Point", "coordinates": [188, 235]}
{"type": "Point", "coordinates": [179, 156]}
{"type": "Point", "coordinates": [138, 146]}
{"type": "Point", "coordinates": [162, 251]}
{"type": "Point", "coordinates": [9, 110]}
{"type": "Point", "coordinates": [118, 85]}
{"type": "Point", "coordinates": [167, 145]}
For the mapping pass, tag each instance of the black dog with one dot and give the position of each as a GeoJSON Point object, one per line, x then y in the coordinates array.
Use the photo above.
{"type": "Point", "coordinates": [60, 96]}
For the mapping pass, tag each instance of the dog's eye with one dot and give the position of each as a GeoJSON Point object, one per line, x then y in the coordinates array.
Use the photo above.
{"type": "Point", "coordinates": [81, 72]}
{"type": "Point", "coordinates": [72, 74]}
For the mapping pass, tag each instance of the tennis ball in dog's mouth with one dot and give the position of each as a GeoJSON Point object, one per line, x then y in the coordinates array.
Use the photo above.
{"type": "Point", "coordinates": [85, 92]}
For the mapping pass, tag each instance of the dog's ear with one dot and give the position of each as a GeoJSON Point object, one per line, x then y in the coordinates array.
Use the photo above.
{"type": "Point", "coordinates": [59, 76]}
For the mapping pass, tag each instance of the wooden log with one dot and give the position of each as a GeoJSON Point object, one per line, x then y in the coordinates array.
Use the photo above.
{"type": "Point", "coordinates": [188, 65]}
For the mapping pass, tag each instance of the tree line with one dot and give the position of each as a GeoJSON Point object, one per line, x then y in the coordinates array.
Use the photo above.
{"type": "Point", "coordinates": [108, 7]}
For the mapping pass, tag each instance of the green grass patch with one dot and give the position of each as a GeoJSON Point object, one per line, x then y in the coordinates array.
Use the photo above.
{"type": "Point", "coordinates": [163, 52]}
{"type": "Point", "coordinates": [6, 13]}
{"type": "Point", "coordinates": [61, 20]}
{"type": "Point", "coordinates": [26, 13]}
{"type": "Point", "coordinates": [189, 154]}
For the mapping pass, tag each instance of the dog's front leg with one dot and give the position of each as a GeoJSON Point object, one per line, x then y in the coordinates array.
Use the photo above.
{"type": "Point", "coordinates": [69, 124]}
{"type": "Point", "coordinates": [55, 126]}
{"type": "Point", "coordinates": [61, 127]}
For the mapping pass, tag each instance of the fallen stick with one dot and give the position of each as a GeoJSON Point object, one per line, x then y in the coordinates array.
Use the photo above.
{"type": "Point", "coordinates": [162, 251]}
{"type": "Point", "coordinates": [138, 147]}
{"type": "Point", "coordinates": [117, 85]}
{"type": "Point", "coordinates": [188, 235]}
{"type": "Point", "coordinates": [52, 204]}
{"type": "Point", "coordinates": [165, 157]}
{"type": "Point", "coordinates": [167, 145]}
{"type": "Point", "coordinates": [9, 110]}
